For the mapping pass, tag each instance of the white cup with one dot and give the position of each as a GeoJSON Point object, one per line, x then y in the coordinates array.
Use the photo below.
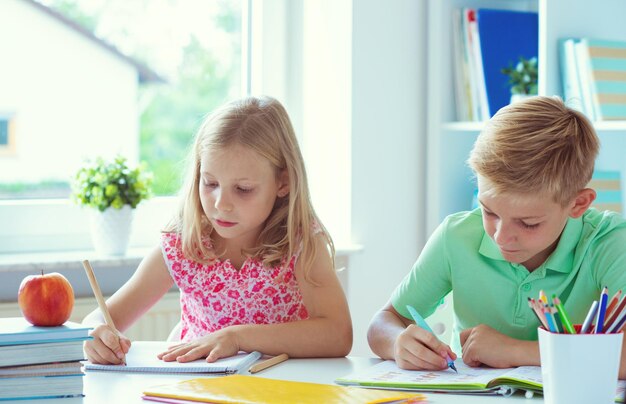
{"type": "Point", "coordinates": [579, 368]}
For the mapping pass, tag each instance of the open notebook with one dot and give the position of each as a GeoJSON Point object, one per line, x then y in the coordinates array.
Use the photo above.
{"type": "Point", "coordinates": [142, 357]}
{"type": "Point", "coordinates": [481, 380]}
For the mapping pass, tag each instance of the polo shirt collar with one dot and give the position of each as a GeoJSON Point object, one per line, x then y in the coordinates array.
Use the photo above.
{"type": "Point", "coordinates": [561, 259]}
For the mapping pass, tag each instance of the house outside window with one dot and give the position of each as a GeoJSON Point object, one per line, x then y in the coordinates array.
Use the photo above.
{"type": "Point", "coordinates": [94, 78]}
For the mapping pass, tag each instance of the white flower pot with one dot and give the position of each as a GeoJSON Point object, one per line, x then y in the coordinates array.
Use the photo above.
{"type": "Point", "coordinates": [110, 230]}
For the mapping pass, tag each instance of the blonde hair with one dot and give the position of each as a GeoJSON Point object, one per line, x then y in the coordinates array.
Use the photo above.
{"type": "Point", "coordinates": [539, 146]}
{"type": "Point", "coordinates": [263, 125]}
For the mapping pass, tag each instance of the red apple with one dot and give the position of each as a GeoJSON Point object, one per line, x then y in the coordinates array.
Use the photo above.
{"type": "Point", "coordinates": [46, 300]}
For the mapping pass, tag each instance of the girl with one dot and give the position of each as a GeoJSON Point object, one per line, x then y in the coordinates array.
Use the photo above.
{"type": "Point", "coordinates": [253, 263]}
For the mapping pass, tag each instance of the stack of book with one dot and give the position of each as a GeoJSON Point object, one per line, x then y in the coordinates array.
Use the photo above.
{"type": "Point", "coordinates": [40, 362]}
{"type": "Point", "coordinates": [485, 42]}
{"type": "Point", "coordinates": [593, 73]}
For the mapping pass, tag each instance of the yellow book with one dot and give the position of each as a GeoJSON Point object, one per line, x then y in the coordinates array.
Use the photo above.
{"type": "Point", "coordinates": [251, 389]}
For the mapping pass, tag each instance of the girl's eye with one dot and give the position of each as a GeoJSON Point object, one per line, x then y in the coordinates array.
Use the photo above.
{"type": "Point", "coordinates": [530, 226]}
{"type": "Point", "coordinates": [244, 190]}
{"type": "Point", "coordinates": [491, 214]}
{"type": "Point", "coordinates": [209, 184]}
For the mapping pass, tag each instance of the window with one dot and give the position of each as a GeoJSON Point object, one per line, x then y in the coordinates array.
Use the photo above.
{"type": "Point", "coordinates": [111, 77]}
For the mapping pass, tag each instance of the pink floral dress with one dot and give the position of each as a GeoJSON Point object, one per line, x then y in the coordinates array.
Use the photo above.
{"type": "Point", "coordinates": [218, 295]}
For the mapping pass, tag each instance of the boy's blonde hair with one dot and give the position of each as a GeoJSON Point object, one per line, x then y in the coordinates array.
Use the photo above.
{"type": "Point", "coordinates": [537, 146]}
{"type": "Point", "coordinates": [263, 125]}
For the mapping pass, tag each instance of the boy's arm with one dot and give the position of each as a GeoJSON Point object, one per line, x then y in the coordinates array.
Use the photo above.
{"type": "Point", "coordinates": [384, 329]}
{"type": "Point", "coordinates": [482, 345]}
{"type": "Point", "coordinates": [392, 336]}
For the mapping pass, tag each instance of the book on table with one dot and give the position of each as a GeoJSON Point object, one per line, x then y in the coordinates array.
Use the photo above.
{"type": "Point", "coordinates": [249, 389]}
{"type": "Point", "coordinates": [478, 380]}
{"type": "Point", "coordinates": [18, 331]}
{"type": "Point", "coordinates": [35, 387]}
{"type": "Point", "coordinates": [42, 369]}
{"type": "Point", "coordinates": [27, 354]}
{"type": "Point", "coordinates": [142, 358]}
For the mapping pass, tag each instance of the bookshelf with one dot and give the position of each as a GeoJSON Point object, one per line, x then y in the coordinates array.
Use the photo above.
{"type": "Point", "coordinates": [449, 184]}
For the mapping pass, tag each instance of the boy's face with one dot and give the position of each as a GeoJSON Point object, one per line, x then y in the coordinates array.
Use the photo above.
{"type": "Point", "coordinates": [526, 228]}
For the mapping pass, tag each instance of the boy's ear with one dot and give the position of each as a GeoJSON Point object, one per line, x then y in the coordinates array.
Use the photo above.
{"type": "Point", "coordinates": [581, 203]}
{"type": "Point", "coordinates": [283, 184]}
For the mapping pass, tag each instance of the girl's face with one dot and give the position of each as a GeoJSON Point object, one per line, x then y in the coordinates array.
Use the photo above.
{"type": "Point", "coordinates": [238, 188]}
{"type": "Point", "coordinates": [526, 228]}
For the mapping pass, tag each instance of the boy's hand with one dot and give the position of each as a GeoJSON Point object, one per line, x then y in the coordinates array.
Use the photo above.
{"type": "Point", "coordinates": [107, 347]}
{"type": "Point", "coordinates": [482, 345]}
{"type": "Point", "coordinates": [418, 349]}
{"type": "Point", "coordinates": [219, 344]}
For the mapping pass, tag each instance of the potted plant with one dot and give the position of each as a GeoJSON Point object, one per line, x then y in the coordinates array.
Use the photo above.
{"type": "Point", "coordinates": [113, 190]}
{"type": "Point", "coordinates": [522, 78]}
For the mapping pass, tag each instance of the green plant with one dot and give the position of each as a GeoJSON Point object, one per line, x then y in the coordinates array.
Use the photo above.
{"type": "Point", "coordinates": [102, 184]}
{"type": "Point", "coordinates": [523, 76]}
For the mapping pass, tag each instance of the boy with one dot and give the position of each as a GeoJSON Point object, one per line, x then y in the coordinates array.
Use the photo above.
{"type": "Point", "coordinates": [533, 231]}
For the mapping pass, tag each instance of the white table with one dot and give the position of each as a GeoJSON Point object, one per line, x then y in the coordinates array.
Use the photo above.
{"type": "Point", "coordinates": [122, 388]}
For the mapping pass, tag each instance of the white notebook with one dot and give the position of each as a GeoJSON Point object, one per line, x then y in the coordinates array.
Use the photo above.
{"type": "Point", "coordinates": [142, 357]}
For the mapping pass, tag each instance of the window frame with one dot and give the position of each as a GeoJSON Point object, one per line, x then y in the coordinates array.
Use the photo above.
{"type": "Point", "coordinates": [9, 148]}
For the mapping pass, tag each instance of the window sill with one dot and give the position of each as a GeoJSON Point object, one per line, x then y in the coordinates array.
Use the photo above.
{"type": "Point", "coordinates": [112, 272]}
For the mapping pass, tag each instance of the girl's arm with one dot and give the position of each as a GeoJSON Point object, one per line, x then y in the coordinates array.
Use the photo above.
{"type": "Point", "coordinates": [326, 333]}
{"type": "Point", "coordinates": [148, 284]}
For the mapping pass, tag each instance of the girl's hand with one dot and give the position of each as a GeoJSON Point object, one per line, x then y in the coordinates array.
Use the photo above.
{"type": "Point", "coordinates": [219, 344]}
{"type": "Point", "coordinates": [416, 348]}
{"type": "Point", "coordinates": [482, 345]}
{"type": "Point", "coordinates": [107, 347]}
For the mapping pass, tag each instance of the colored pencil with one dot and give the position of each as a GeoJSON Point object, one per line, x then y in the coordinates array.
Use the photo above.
{"type": "Point", "coordinates": [612, 305]}
{"type": "Point", "coordinates": [557, 319]}
{"type": "Point", "coordinates": [590, 316]}
{"type": "Point", "coordinates": [620, 307]}
{"type": "Point", "coordinates": [538, 313]}
{"type": "Point", "coordinates": [602, 310]}
{"type": "Point", "coordinates": [542, 297]}
{"type": "Point", "coordinates": [617, 324]}
{"type": "Point", "coordinates": [549, 319]}
{"type": "Point", "coordinates": [567, 324]}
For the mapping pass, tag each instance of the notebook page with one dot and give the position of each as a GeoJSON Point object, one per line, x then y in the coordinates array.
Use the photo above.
{"type": "Point", "coordinates": [142, 357]}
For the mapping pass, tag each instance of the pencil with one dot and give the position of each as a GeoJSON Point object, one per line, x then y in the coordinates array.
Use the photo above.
{"type": "Point", "coordinates": [611, 306]}
{"type": "Point", "coordinates": [542, 297]}
{"type": "Point", "coordinates": [616, 312]}
{"type": "Point", "coordinates": [601, 310]}
{"type": "Point", "coordinates": [567, 324]}
{"type": "Point", "coordinates": [531, 304]}
{"type": "Point", "coordinates": [590, 316]}
{"type": "Point", "coordinates": [100, 299]}
{"type": "Point", "coordinates": [268, 363]}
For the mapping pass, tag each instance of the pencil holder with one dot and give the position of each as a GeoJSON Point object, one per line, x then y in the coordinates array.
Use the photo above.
{"type": "Point", "coordinates": [579, 368]}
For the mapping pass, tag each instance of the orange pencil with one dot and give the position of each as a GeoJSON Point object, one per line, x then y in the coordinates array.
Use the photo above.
{"type": "Point", "coordinates": [612, 304]}
{"type": "Point", "coordinates": [620, 307]}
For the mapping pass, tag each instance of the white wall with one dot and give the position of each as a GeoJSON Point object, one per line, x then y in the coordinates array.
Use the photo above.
{"type": "Point", "coordinates": [44, 62]}
{"type": "Point", "coordinates": [388, 143]}
{"type": "Point", "coordinates": [354, 86]}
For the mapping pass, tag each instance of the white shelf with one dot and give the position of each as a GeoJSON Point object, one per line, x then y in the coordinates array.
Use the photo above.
{"type": "Point", "coordinates": [449, 184]}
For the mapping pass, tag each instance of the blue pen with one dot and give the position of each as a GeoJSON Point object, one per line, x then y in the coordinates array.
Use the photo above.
{"type": "Point", "coordinates": [420, 322]}
{"type": "Point", "coordinates": [601, 310]}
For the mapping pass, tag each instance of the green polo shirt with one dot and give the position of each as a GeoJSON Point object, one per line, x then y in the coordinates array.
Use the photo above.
{"type": "Point", "coordinates": [461, 257]}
